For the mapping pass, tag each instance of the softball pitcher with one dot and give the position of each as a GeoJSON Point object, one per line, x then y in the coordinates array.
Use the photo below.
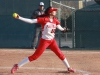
{"type": "Point", "coordinates": [49, 24]}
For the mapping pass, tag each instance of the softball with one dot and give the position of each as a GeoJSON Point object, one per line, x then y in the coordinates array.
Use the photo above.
{"type": "Point", "coordinates": [15, 15]}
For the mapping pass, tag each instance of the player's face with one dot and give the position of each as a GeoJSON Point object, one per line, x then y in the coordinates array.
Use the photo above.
{"type": "Point", "coordinates": [53, 13]}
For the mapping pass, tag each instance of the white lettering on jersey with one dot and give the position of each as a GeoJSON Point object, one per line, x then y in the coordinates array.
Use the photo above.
{"type": "Point", "coordinates": [49, 31]}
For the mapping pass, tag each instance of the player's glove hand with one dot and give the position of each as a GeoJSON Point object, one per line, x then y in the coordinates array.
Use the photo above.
{"type": "Point", "coordinates": [66, 30]}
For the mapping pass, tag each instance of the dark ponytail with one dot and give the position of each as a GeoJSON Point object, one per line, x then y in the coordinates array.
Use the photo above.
{"type": "Point", "coordinates": [46, 11]}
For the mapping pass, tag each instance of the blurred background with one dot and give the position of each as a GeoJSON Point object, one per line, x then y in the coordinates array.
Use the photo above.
{"type": "Point", "coordinates": [80, 16]}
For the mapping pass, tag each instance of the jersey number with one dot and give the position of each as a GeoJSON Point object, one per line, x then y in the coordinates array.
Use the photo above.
{"type": "Point", "coordinates": [53, 30]}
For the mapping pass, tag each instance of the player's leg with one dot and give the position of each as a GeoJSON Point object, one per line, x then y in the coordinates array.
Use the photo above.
{"type": "Point", "coordinates": [40, 49]}
{"type": "Point", "coordinates": [42, 46]}
{"type": "Point", "coordinates": [54, 47]}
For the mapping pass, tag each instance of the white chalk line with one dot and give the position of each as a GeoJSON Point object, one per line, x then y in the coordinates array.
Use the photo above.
{"type": "Point", "coordinates": [84, 72]}
{"type": "Point", "coordinates": [57, 69]}
{"type": "Point", "coordinates": [34, 68]}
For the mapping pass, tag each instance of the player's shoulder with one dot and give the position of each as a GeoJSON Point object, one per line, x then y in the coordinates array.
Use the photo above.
{"type": "Point", "coordinates": [44, 19]}
{"type": "Point", "coordinates": [56, 19]}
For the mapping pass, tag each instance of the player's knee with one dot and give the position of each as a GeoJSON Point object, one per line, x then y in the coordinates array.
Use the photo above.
{"type": "Point", "coordinates": [33, 57]}
{"type": "Point", "coordinates": [62, 57]}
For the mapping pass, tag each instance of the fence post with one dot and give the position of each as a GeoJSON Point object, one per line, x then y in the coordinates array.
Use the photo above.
{"type": "Point", "coordinates": [59, 18]}
{"type": "Point", "coordinates": [73, 28]}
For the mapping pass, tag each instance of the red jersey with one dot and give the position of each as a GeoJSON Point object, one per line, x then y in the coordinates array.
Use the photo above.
{"type": "Point", "coordinates": [48, 27]}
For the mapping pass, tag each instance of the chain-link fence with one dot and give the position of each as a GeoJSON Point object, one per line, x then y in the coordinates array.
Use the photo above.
{"type": "Point", "coordinates": [87, 27]}
{"type": "Point", "coordinates": [66, 15]}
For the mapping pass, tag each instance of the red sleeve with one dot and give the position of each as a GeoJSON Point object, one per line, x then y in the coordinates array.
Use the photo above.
{"type": "Point", "coordinates": [40, 20]}
{"type": "Point", "coordinates": [57, 22]}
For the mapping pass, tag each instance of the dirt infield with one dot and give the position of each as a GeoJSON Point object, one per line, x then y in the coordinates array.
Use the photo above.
{"type": "Point", "coordinates": [84, 62]}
